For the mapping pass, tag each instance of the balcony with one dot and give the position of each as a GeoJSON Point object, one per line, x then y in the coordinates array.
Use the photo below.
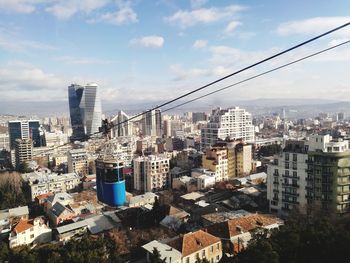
{"type": "Point", "coordinates": [276, 183]}
{"type": "Point", "coordinates": [275, 190]}
{"type": "Point", "coordinates": [292, 194]}
{"type": "Point", "coordinates": [291, 185]}
{"type": "Point", "coordinates": [290, 201]}
{"type": "Point", "coordinates": [290, 176]}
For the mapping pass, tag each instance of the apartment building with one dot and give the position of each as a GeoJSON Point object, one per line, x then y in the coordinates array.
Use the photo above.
{"type": "Point", "coordinates": [151, 173]}
{"type": "Point", "coordinates": [215, 159]}
{"type": "Point", "coordinates": [78, 162]}
{"type": "Point", "coordinates": [43, 183]}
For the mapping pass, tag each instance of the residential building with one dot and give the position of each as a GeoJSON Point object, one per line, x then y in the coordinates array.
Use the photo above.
{"type": "Point", "coordinates": [199, 116]}
{"type": "Point", "coordinates": [152, 123]}
{"type": "Point", "coordinates": [235, 233]}
{"type": "Point", "coordinates": [66, 232]}
{"type": "Point", "coordinates": [151, 173]}
{"type": "Point", "coordinates": [328, 174]}
{"type": "Point", "coordinates": [4, 141]}
{"type": "Point", "coordinates": [11, 216]}
{"type": "Point", "coordinates": [23, 151]}
{"type": "Point", "coordinates": [24, 130]}
{"type": "Point", "coordinates": [42, 183]}
{"type": "Point", "coordinates": [141, 200]}
{"type": "Point", "coordinates": [78, 162]}
{"type": "Point", "coordinates": [215, 160]}
{"type": "Point", "coordinates": [196, 245]}
{"type": "Point", "coordinates": [167, 253]}
{"type": "Point", "coordinates": [122, 127]}
{"type": "Point", "coordinates": [233, 123]}
{"type": "Point", "coordinates": [30, 232]}
{"type": "Point", "coordinates": [286, 179]}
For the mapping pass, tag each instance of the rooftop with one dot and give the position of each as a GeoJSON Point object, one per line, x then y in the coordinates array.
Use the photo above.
{"type": "Point", "coordinates": [166, 252]}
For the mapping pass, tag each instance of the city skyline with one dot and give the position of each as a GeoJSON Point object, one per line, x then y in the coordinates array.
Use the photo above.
{"type": "Point", "coordinates": [115, 43]}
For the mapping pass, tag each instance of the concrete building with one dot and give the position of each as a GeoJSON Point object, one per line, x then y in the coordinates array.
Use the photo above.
{"type": "Point", "coordinates": [30, 232]}
{"type": "Point", "coordinates": [151, 173]}
{"type": "Point", "coordinates": [215, 160]}
{"type": "Point", "coordinates": [23, 151]}
{"type": "Point", "coordinates": [196, 245]}
{"type": "Point", "coordinates": [122, 127]}
{"type": "Point", "coordinates": [286, 181]}
{"type": "Point", "coordinates": [43, 183]}
{"type": "Point", "coordinates": [4, 141]}
{"type": "Point", "coordinates": [78, 162]}
{"type": "Point", "coordinates": [24, 130]}
{"type": "Point", "coordinates": [233, 123]}
{"type": "Point", "coordinates": [328, 174]}
{"type": "Point", "coordinates": [167, 253]}
{"type": "Point", "coordinates": [152, 123]}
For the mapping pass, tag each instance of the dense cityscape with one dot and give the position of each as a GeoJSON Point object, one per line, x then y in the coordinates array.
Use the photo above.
{"type": "Point", "coordinates": [154, 171]}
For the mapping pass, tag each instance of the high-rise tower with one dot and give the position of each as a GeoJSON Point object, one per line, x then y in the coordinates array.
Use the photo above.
{"type": "Point", "coordinates": [24, 129]}
{"type": "Point", "coordinates": [85, 110]}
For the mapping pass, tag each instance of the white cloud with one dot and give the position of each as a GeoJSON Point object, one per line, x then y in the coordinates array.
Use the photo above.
{"type": "Point", "coordinates": [184, 74]}
{"type": "Point", "coordinates": [19, 6]}
{"type": "Point", "coordinates": [10, 42]}
{"type": "Point", "coordinates": [232, 26]}
{"type": "Point", "coordinates": [148, 41]}
{"type": "Point", "coordinates": [83, 61]}
{"type": "Point", "coordinates": [198, 3]}
{"type": "Point", "coordinates": [200, 43]}
{"type": "Point", "coordinates": [64, 9]}
{"type": "Point", "coordinates": [185, 18]}
{"type": "Point", "coordinates": [124, 15]}
{"type": "Point", "coordinates": [313, 25]}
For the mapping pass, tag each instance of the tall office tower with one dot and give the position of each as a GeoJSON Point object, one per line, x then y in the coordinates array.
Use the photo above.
{"type": "Point", "coordinates": [233, 123]}
{"type": "Point", "coordinates": [151, 173]}
{"type": "Point", "coordinates": [85, 110]}
{"type": "Point", "coordinates": [123, 127]}
{"type": "Point", "coordinates": [23, 151]}
{"type": "Point", "coordinates": [110, 181]}
{"type": "Point", "coordinates": [24, 129]}
{"type": "Point", "coordinates": [152, 123]}
{"type": "Point", "coordinates": [286, 179]}
{"type": "Point", "coordinates": [78, 162]}
{"type": "Point", "coordinates": [91, 109]}
{"type": "Point", "coordinates": [75, 94]}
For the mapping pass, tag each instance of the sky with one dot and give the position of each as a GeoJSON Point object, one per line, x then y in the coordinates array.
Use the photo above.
{"type": "Point", "coordinates": [149, 51]}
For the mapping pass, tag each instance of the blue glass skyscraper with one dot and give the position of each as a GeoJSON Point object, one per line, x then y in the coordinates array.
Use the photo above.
{"type": "Point", "coordinates": [24, 129]}
{"type": "Point", "coordinates": [75, 94]}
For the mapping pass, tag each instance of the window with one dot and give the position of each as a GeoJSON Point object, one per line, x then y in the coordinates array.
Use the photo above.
{"type": "Point", "coordinates": [217, 247]}
{"type": "Point", "coordinates": [32, 236]}
{"type": "Point", "coordinates": [188, 260]}
{"type": "Point", "coordinates": [212, 249]}
{"type": "Point", "coordinates": [203, 253]}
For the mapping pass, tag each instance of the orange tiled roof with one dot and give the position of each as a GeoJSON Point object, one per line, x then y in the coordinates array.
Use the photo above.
{"type": "Point", "coordinates": [193, 242]}
{"type": "Point", "coordinates": [23, 225]}
{"type": "Point", "coordinates": [44, 196]}
{"type": "Point", "coordinates": [243, 224]}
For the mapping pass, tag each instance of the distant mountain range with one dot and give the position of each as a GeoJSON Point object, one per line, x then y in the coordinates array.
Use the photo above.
{"type": "Point", "coordinates": [261, 106]}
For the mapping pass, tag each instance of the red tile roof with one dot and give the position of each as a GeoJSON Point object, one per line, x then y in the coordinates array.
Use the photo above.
{"type": "Point", "coordinates": [193, 242]}
{"type": "Point", "coordinates": [23, 225]}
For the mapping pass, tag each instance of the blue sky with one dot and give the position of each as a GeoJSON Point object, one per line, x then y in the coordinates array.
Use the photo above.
{"type": "Point", "coordinates": [143, 50]}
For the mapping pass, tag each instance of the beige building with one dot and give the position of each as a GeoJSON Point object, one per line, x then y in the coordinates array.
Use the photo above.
{"type": "Point", "coordinates": [23, 151]}
{"type": "Point", "coordinates": [151, 173]}
{"type": "Point", "coordinates": [196, 245]}
{"type": "Point", "coordinates": [215, 159]}
{"type": "Point", "coordinates": [30, 232]}
{"type": "Point", "coordinates": [78, 162]}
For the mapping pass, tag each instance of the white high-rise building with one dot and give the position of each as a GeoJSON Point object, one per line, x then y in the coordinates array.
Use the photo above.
{"type": "Point", "coordinates": [151, 173]}
{"type": "Point", "coordinates": [233, 123]}
{"type": "Point", "coordinates": [122, 127]}
{"type": "Point", "coordinates": [91, 109]}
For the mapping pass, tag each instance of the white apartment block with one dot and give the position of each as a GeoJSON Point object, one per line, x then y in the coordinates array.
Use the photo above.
{"type": "Point", "coordinates": [78, 162]}
{"type": "Point", "coordinates": [233, 123]}
{"type": "Point", "coordinates": [151, 173]}
{"type": "Point", "coordinates": [30, 232]}
{"type": "Point", "coordinates": [43, 183]}
{"type": "Point", "coordinates": [286, 179]}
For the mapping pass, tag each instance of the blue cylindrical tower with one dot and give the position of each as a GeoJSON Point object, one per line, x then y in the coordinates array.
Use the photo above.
{"type": "Point", "coordinates": [110, 182]}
